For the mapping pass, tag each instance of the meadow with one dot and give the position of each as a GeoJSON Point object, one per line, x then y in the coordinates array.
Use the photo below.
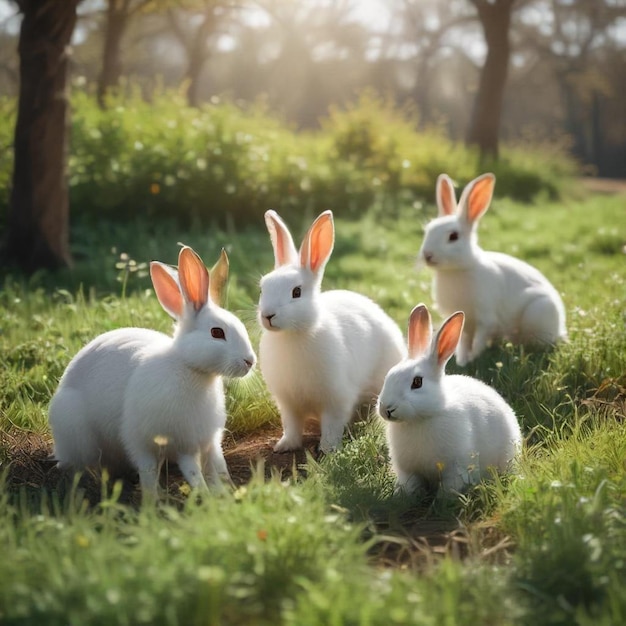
{"type": "Point", "coordinates": [330, 544]}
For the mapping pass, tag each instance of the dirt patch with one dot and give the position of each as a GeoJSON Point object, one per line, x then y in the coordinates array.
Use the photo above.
{"type": "Point", "coordinates": [610, 186]}
{"type": "Point", "coordinates": [28, 464]}
{"type": "Point", "coordinates": [243, 454]}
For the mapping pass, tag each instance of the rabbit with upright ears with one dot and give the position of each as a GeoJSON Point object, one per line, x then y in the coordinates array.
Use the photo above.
{"type": "Point", "coordinates": [321, 354]}
{"type": "Point", "coordinates": [133, 397]}
{"type": "Point", "coordinates": [446, 431]}
{"type": "Point", "coordinates": [502, 297]}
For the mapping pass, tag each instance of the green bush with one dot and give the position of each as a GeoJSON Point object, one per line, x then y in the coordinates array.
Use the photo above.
{"type": "Point", "coordinates": [227, 164]}
{"type": "Point", "coordinates": [380, 140]}
{"type": "Point", "coordinates": [165, 159]}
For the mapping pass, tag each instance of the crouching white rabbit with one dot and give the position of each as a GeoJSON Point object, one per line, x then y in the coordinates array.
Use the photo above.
{"type": "Point", "coordinates": [321, 354]}
{"type": "Point", "coordinates": [134, 397]}
{"type": "Point", "coordinates": [446, 431]}
{"type": "Point", "coordinates": [502, 297]}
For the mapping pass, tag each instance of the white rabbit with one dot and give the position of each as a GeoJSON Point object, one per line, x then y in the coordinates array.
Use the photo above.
{"type": "Point", "coordinates": [443, 430]}
{"type": "Point", "coordinates": [501, 296]}
{"type": "Point", "coordinates": [322, 354]}
{"type": "Point", "coordinates": [133, 397]}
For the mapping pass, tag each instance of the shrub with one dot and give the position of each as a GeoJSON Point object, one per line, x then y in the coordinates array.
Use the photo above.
{"type": "Point", "coordinates": [226, 163]}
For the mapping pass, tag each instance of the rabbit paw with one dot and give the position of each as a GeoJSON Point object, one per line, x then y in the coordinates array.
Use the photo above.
{"type": "Point", "coordinates": [326, 446]}
{"type": "Point", "coordinates": [409, 485]}
{"type": "Point", "coordinates": [462, 360]}
{"type": "Point", "coordinates": [287, 444]}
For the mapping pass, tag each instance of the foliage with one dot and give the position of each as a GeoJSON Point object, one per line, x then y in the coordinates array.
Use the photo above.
{"type": "Point", "coordinates": [226, 164]}
{"type": "Point", "coordinates": [380, 139]}
{"type": "Point", "coordinates": [166, 159]}
{"type": "Point", "coordinates": [230, 559]}
{"type": "Point", "coordinates": [568, 511]}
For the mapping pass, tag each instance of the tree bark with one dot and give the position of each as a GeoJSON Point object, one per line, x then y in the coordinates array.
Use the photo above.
{"type": "Point", "coordinates": [194, 42]}
{"type": "Point", "coordinates": [38, 220]}
{"type": "Point", "coordinates": [116, 22]}
{"type": "Point", "coordinates": [198, 53]}
{"type": "Point", "coordinates": [193, 72]}
{"type": "Point", "coordinates": [484, 129]}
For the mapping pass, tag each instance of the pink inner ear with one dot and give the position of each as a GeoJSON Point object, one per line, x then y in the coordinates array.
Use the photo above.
{"type": "Point", "coordinates": [166, 289]}
{"type": "Point", "coordinates": [318, 243]}
{"type": "Point", "coordinates": [280, 249]}
{"type": "Point", "coordinates": [282, 242]}
{"type": "Point", "coordinates": [447, 199]}
{"type": "Point", "coordinates": [194, 278]}
{"type": "Point", "coordinates": [480, 197]}
{"type": "Point", "coordinates": [420, 331]}
{"type": "Point", "coordinates": [448, 337]}
{"type": "Point", "coordinates": [277, 241]}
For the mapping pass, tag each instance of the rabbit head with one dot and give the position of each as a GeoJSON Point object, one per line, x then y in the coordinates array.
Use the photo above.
{"type": "Point", "coordinates": [208, 338]}
{"type": "Point", "coordinates": [289, 294]}
{"type": "Point", "coordinates": [412, 389]}
{"type": "Point", "coordinates": [450, 240]}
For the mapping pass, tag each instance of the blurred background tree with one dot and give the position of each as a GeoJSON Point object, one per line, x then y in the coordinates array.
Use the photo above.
{"type": "Point", "coordinates": [484, 128]}
{"type": "Point", "coordinates": [485, 69]}
{"type": "Point", "coordinates": [38, 219]}
{"type": "Point", "coordinates": [479, 71]}
{"type": "Point", "coordinates": [118, 14]}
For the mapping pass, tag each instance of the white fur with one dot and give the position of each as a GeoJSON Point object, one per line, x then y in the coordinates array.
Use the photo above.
{"type": "Point", "coordinates": [322, 354]}
{"type": "Point", "coordinates": [453, 430]}
{"type": "Point", "coordinates": [502, 297]}
{"type": "Point", "coordinates": [133, 397]}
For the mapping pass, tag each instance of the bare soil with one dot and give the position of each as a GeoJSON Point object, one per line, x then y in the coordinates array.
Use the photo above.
{"type": "Point", "coordinates": [29, 465]}
{"type": "Point", "coordinates": [608, 186]}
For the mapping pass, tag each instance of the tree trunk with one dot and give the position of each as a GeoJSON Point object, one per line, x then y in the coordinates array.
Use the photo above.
{"type": "Point", "coordinates": [422, 93]}
{"type": "Point", "coordinates": [192, 76]}
{"type": "Point", "coordinates": [597, 134]}
{"type": "Point", "coordinates": [38, 220]}
{"type": "Point", "coordinates": [495, 19]}
{"type": "Point", "coordinates": [575, 115]}
{"type": "Point", "coordinates": [198, 53]}
{"type": "Point", "coordinates": [117, 19]}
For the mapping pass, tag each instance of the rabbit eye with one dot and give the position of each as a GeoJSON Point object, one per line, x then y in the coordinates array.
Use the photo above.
{"type": "Point", "coordinates": [218, 333]}
{"type": "Point", "coordinates": [296, 293]}
{"type": "Point", "coordinates": [416, 383]}
{"type": "Point", "coordinates": [453, 236]}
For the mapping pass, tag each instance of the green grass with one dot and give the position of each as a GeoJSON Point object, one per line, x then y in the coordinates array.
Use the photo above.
{"type": "Point", "coordinates": [544, 546]}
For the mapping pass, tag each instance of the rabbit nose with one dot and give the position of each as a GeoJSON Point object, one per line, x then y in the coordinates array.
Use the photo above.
{"type": "Point", "coordinates": [428, 256]}
{"type": "Point", "coordinates": [270, 317]}
{"type": "Point", "coordinates": [249, 362]}
{"type": "Point", "coordinates": [389, 413]}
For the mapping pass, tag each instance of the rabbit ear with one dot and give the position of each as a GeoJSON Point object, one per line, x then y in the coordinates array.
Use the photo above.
{"type": "Point", "coordinates": [446, 197]}
{"type": "Point", "coordinates": [318, 243]}
{"type": "Point", "coordinates": [448, 338]}
{"type": "Point", "coordinates": [420, 331]}
{"type": "Point", "coordinates": [285, 252]}
{"type": "Point", "coordinates": [218, 275]}
{"type": "Point", "coordinates": [194, 278]}
{"type": "Point", "coordinates": [477, 197]}
{"type": "Point", "coordinates": [166, 287]}
{"type": "Point", "coordinates": [172, 271]}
